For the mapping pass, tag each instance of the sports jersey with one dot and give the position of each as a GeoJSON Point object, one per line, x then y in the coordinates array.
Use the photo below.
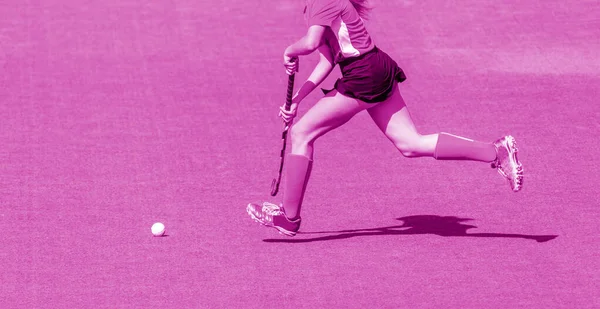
{"type": "Point", "coordinates": [346, 34]}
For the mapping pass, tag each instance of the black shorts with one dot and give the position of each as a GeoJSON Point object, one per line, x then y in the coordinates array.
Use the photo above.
{"type": "Point", "coordinates": [370, 77]}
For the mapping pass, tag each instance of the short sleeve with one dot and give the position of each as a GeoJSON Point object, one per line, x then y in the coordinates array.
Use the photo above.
{"type": "Point", "coordinates": [322, 12]}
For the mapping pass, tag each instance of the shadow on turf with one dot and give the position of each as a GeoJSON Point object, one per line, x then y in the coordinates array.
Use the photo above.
{"type": "Point", "coordinates": [415, 225]}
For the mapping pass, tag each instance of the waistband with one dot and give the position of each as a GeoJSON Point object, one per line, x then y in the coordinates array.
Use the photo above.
{"type": "Point", "coordinates": [350, 60]}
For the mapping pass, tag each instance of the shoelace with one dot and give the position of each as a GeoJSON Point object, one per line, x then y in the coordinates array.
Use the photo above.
{"type": "Point", "coordinates": [271, 208]}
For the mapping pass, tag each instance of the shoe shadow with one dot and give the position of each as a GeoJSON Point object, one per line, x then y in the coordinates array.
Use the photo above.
{"type": "Point", "coordinates": [447, 226]}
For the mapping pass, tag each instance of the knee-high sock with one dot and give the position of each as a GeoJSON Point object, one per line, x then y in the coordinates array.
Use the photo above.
{"type": "Point", "coordinates": [452, 147]}
{"type": "Point", "coordinates": [298, 170]}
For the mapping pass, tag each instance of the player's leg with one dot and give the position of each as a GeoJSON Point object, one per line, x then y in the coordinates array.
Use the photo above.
{"type": "Point", "coordinates": [394, 120]}
{"type": "Point", "coordinates": [330, 112]}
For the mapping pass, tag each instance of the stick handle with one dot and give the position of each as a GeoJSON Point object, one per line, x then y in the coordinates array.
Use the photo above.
{"type": "Point", "coordinates": [290, 92]}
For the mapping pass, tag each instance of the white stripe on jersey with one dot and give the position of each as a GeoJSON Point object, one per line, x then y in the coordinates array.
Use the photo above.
{"type": "Point", "coordinates": [343, 37]}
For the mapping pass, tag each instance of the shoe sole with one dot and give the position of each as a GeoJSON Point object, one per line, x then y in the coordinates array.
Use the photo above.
{"type": "Point", "coordinates": [279, 229]}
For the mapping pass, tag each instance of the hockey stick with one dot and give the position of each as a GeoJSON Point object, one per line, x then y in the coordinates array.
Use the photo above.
{"type": "Point", "coordinates": [288, 103]}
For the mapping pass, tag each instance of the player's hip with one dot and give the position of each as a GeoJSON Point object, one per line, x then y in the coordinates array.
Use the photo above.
{"type": "Point", "coordinates": [370, 77]}
{"type": "Point", "coordinates": [373, 66]}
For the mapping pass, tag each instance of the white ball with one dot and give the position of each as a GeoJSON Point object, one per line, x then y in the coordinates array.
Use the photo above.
{"type": "Point", "coordinates": [158, 229]}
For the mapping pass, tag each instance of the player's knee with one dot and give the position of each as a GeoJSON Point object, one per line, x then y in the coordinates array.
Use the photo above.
{"type": "Point", "coordinates": [408, 148]}
{"type": "Point", "coordinates": [408, 152]}
{"type": "Point", "coordinates": [299, 136]}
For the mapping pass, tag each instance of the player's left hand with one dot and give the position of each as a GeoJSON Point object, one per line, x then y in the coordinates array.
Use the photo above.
{"type": "Point", "coordinates": [288, 116]}
{"type": "Point", "coordinates": [291, 64]}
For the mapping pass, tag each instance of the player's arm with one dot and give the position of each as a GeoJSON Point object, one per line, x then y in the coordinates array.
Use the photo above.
{"type": "Point", "coordinates": [308, 43]}
{"type": "Point", "coordinates": [318, 75]}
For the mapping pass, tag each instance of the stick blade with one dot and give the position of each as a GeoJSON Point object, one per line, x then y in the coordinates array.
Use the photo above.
{"type": "Point", "coordinates": [274, 187]}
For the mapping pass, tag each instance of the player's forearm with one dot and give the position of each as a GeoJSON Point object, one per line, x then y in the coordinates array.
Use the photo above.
{"type": "Point", "coordinates": [300, 48]}
{"type": "Point", "coordinates": [321, 71]}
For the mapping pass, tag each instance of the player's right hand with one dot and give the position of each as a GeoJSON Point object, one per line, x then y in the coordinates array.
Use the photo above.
{"type": "Point", "coordinates": [288, 116]}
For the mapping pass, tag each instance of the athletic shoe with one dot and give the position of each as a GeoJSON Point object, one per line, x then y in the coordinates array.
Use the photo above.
{"type": "Point", "coordinates": [507, 163]}
{"type": "Point", "coordinates": [272, 215]}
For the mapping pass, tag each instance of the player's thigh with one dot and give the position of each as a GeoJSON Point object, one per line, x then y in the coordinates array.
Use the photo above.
{"type": "Point", "coordinates": [393, 118]}
{"type": "Point", "coordinates": [328, 113]}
